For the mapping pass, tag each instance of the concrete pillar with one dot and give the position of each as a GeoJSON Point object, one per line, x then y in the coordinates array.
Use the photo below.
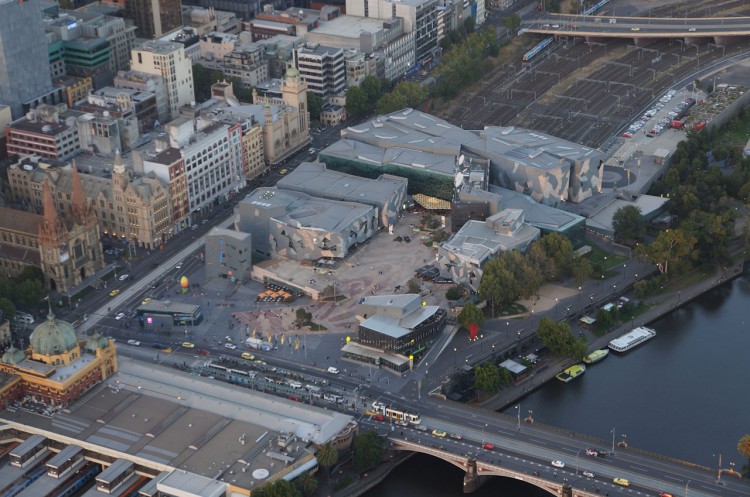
{"type": "Point", "coordinates": [472, 480]}
{"type": "Point", "coordinates": [567, 490]}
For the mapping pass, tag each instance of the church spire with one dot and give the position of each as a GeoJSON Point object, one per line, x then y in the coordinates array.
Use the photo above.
{"type": "Point", "coordinates": [77, 198]}
{"type": "Point", "coordinates": [50, 211]}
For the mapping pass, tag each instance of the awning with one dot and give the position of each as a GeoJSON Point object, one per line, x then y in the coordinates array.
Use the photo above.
{"type": "Point", "coordinates": [432, 203]}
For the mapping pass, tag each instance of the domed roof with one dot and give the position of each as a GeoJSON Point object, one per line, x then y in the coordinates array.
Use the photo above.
{"type": "Point", "coordinates": [292, 72]}
{"type": "Point", "coordinates": [53, 337]}
{"type": "Point", "coordinates": [96, 342]}
{"type": "Point", "coordinates": [13, 356]}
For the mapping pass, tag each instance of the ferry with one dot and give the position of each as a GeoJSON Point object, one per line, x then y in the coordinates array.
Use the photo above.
{"type": "Point", "coordinates": [571, 373]}
{"type": "Point", "coordinates": [596, 356]}
{"type": "Point", "coordinates": [631, 339]}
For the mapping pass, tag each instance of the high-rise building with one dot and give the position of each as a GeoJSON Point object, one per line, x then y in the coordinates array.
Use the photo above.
{"type": "Point", "coordinates": [154, 17]}
{"type": "Point", "coordinates": [168, 60]}
{"type": "Point", "coordinates": [24, 60]}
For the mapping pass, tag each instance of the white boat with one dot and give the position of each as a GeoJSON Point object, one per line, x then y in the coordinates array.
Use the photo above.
{"type": "Point", "coordinates": [631, 339]}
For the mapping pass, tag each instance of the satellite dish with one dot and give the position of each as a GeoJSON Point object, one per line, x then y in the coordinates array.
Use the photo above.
{"type": "Point", "coordinates": [458, 181]}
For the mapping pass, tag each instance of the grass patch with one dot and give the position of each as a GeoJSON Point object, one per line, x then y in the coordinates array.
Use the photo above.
{"type": "Point", "coordinates": [607, 260]}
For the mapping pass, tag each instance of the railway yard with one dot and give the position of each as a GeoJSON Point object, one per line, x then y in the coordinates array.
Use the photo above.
{"type": "Point", "coordinates": [588, 91]}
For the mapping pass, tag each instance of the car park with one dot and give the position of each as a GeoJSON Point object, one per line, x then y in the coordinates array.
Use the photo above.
{"type": "Point", "coordinates": [622, 482]}
{"type": "Point", "coordinates": [439, 433]}
{"type": "Point", "coordinates": [113, 293]}
{"type": "Point", "coordinates": [188, 345]}
{"type": "Point", "coordinates": [558, 464]}
{"type": "Point", "coordinates": [230, 346]}
{"type": "Point", "coordinates": [123, 277]}
{"type": "Point", "coordinates": [119, 316]}
{"type": "Point", "coordinates": [135, 343]}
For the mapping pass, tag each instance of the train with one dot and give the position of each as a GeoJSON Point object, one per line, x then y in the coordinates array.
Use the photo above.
{"type": "Point", "coordinates": [395, 414]}
{"type": "Point", "coordinates": [538, 48]}
{"type": "Point", "coordinates": [594, 8]}
{"type": "Point", "coordinates": [28, 479]}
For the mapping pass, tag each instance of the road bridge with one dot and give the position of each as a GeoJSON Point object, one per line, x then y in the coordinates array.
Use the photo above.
{"type": "Point", "coordinates": [718, 28]}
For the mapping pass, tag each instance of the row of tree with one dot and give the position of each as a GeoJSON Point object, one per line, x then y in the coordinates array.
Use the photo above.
{"type": "Point", "coordinates": [372, 94]}
{"type": "Point", "coordinates": [513, 275]}
{"type": "Point", "coordinates": [26, 291]}
{"type": "Point", "coordinates": [466, 63]}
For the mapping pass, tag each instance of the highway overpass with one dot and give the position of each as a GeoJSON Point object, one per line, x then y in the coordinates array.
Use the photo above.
{"type": "Point", "coordinates": [637, 27]}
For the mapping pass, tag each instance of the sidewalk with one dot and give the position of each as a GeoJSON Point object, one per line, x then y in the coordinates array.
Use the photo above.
{"type": "Point", "coordinates": [662, 304]}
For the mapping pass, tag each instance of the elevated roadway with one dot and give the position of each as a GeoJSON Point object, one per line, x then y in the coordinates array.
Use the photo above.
{"type": "Point", "coordinates": [637, 27]}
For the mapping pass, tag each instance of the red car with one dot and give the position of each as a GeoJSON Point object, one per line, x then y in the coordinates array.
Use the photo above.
{"type": "Point", "coordinates": [378, 417]}
{"type": "Point", "coordinates": [488, 446]}
{"type": "Point", "coordinates": [203, 352]}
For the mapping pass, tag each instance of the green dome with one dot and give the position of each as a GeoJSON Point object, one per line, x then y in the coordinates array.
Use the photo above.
{"type": "Point", "coordinates": [96, 342]}
{"type": "Point", "coordinates": [53, 337]}
{"type": "Point", "coordinates": [13, 356]}
{"type": "Point", "coordinates": [292, 72]}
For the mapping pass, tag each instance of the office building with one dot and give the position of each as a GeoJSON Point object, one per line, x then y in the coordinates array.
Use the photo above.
{"type": "Point", "coordinates": [24, 59]}
{"type": "Point", "coordinates": [322, 68]}
{"type": "Point", "coordinates": [44, 133]}
{"type": "Point", "coordinates": [154, 17]}
{"type": "Point", "coordinates": [147, 83]}
{"type": "Point", "coordinates": [228, 255]}
{"type": "Point", "coordinates": [168, 60]}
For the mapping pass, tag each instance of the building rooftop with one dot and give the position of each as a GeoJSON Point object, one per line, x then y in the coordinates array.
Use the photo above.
{"type": "Point", "coordinates": [237, 235]}
{"type": "Point", "coordinates": [318, 50]}
{"type": "Point", "coordinates": [20, 221]}
{"type": "Point", "coordinates": [159, 46]}
{"type": "Point", "coordinates": [302, 210]}
{"type": "Point", "coordinates": [314, 177]}
{"type": "Point", "coordinates": [349, 26]}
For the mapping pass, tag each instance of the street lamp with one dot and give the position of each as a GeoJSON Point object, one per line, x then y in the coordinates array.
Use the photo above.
{"type": "Point", "coordinates": [454, 355]}
{"type": "Point", "coordinates": [518, 408]}
{"type": "Point", "coordinates": [686, 488]}
{"type": "Point", "coordinates": [557, 301]}
{"type": "Point", "coordinates": [613, 440]}
{"type": "Point", "coordinates": [577, 454]}
{"type": "Point", "coordinates": [507, 329]}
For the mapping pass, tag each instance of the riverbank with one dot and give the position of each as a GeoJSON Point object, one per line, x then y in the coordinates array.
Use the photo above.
{"type": "Point", "coordinates": [659, 306]}
{"type": "Point", "coordinates": [371, 479]}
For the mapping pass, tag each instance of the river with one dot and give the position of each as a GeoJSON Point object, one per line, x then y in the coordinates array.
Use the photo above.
{"type": "Point", "coordinates": [683, 394]}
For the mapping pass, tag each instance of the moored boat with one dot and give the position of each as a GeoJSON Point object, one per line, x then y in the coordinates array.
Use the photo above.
{"type": "Point", "coordinates": [571, 373]}
{"type": "Point", "coordinates": [596, 356]}
{"type": "Point", "coordinates": [632, 338]}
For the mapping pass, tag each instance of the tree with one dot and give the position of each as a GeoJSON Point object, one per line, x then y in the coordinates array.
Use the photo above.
{"type": "Point", "coordinates": [314, 105]}
{"type": "Point", "coordinates": [356, 102]}
{"type": "Point", "coordinates": [203, 78]}
{"type": "Point", "coordinates": [581, 270]}
{"type": "Point", "coordinates": [629, 225]}
{"type": "Point", "coordinates": [558, 248]}
{"type": "Point", "coordinates": [559, 339]}
{"type": "Point", "coordinates": [414, 286]}
{"type": "Point", "coordinates": [279, 488]}
{"type": "Point", "coordinates": [743, 447]}
{"type": "Point", "coordinates": [373, 89]}
{"type": "Point", "coordinates": [471, 314]}
{"type": "Point", "coordinates": [368, 451]}
{"type": "Point", "coordinates": [327, 456]}
{"type": "Point", "coordinates": [469, 25]}
{"type": "Point", "coordinates": [486, 378]}
{"type": "Point", "coordinates": [505, 377]}
{"type": "Point", "coordinates": [454, 293]}
{"type": "Point", "coordinates": [31, 273]}
{"type": "Point", "coordinates": [7, 308]}
{"type": "Point", "coordinates": [512, 23]}
{"type": "Point", "coordinates": [670, 247]}
{"type": "Point", "coordinates": [29, 294]}
{"type": "Point", "coordinates": [307, 483]}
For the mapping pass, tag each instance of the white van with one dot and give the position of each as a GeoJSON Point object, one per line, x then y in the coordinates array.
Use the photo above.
{"type": "Point", "coordinates": [333, 370]}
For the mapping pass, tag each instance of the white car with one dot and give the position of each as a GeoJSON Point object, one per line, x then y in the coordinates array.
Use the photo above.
{"type": "Point", "coordinates": [134, 342]}
{"type": "Point", "coordinates": [558, 464]}
{"type": "Point", "coordinates": [179, 266]}
{"type": "Point", "coordinates": [230, 346]}
{"type": "Point", "coordinates": [119, 316]}
{"type": "Point", "coordinates": [124, 277]}
{"type": "Point", "coordinates": [333, 370]}
{"type": "Point", "coordinates": [588, 474]}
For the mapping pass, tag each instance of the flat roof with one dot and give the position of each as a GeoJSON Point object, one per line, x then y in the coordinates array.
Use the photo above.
{"type": "Point", "coordinates": [166, 420]}
{"type": "Point", "coordinates": [349, 26]}
{"type": "Point", "coordinates": [304, 211]}
{"type": "Point", "coordinates": [477, 241]}
{"type": "Point", "coordinates": [396, 327]}
{"type": "Point", "coordinates": [168, 306]}
{"type": "Point", "coordinates": [314, 177]}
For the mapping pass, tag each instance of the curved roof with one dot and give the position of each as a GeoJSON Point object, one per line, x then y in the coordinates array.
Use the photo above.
{"type": "Point", "coordinates": [53, 337]}
{"type": "Point", "coordinates": [13, 356]}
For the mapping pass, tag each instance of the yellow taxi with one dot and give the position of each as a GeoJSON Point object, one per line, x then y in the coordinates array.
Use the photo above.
{"type": "Point", "coordinates": [622, 482]}
{"type": "Point", "coordinates": [167, 350]}
{"type": "Point", "coordinates": [283, 171]}
{"type": "Point", "coordinates": [248, 356]}
{"type": "Point", "coordinates": [439, 433]}
{"type": "Point", "coordinates": [188, 345]}
{"type": "Point", "coordinates": [146, 301]}
{"type": "Point", "coordinates": [113, 293]}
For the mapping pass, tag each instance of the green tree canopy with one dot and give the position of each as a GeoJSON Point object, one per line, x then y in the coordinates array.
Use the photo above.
{"type": "Point", "coordinates": [327, 456]}
{"type": "Point", "coordinates": [7, 308]}
{"type": "Point", "coordinates": [307, 483]}
{"type": "Point", "coordinates": [629, 225]}
{"type": "Point", "coordinates": [671, 247]}
{"type": "Point", "coordinates": [368, 450]}
{"type": "Point", "coordinates": [314, 105]}
{"type": "Point", "coordinates": [356, 102]}
{"type": "Point", "coordinates": [471, 314]}
{"type": "Point", "coordinates": [486, 378]}
{"type": "Point", "coordinates": [279, 488]}
{"type": "Point", "coordinates": [512, 23]}
{"type": "Point", "coordinates": [559, 339]}
{"type": "Point", "coordinates": [743, 447]}
{"type": "Point", "coordinates": [373, 88]}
